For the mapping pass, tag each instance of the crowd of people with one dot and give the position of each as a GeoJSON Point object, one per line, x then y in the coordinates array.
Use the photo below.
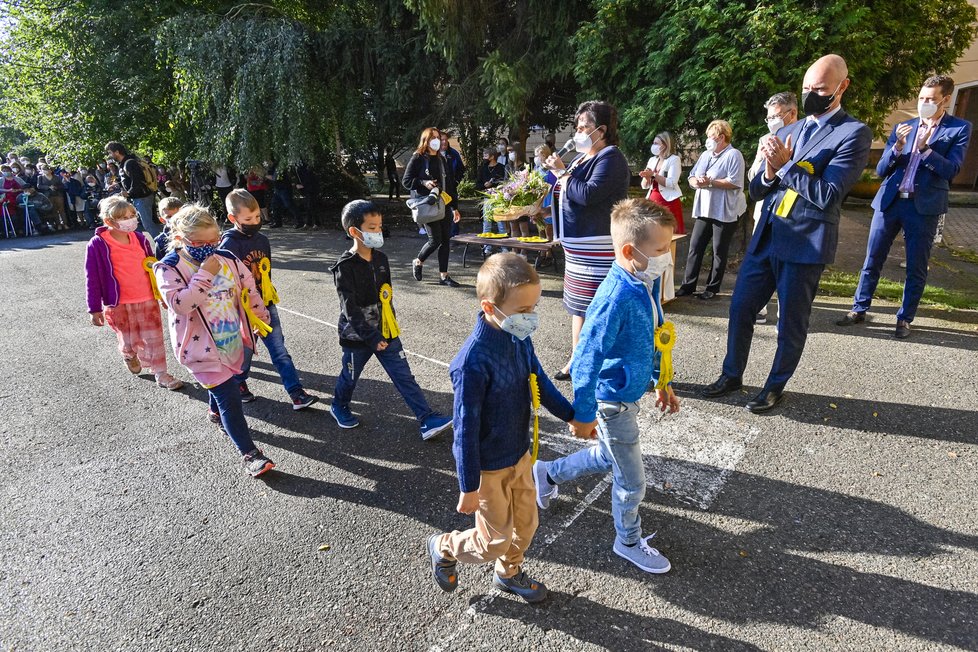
{"type": "Point", "coordinates": [220, 301]}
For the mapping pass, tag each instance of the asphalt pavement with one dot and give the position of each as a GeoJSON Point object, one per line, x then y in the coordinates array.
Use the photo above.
{"type": "Point", "coordinates": [845, 520]}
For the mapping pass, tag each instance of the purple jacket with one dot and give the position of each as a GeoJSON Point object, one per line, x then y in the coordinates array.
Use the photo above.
{"type": "Point", "coordinates": [103, 288]}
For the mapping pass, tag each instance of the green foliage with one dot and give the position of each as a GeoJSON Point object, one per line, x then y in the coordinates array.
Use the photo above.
{"type": "Point", "coordinates": [676, 65]}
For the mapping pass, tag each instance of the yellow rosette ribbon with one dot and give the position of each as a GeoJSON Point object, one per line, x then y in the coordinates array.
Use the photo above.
{"type": "Point", "coordinates": [148, 263]}
{"type": "Point", "coordinates": [535, 404]}
{"type": "Point", "coordinates": [388, 323]}
{"type": "Point", "coordinates": [665, 339]}
{"type": "Point", "coordinates": [268, 292]}
{"type": "Point", "coordinates": [256, 323]}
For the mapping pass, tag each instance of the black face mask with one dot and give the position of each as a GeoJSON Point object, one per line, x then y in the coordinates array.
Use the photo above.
{"type": "Point", "coordinates": [250, 229]}
{"type": "Point", "coordinates": [815, 104]}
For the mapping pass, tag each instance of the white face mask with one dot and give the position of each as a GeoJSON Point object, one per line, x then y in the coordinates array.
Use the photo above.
{"type": "Point", "coordinates": [656, 267]}
{"type": "Point", "coordinates": [711, 145]}
{"type": "Point", "coordinates": [512, 157]}
{"type": "Point", "coordinates": [501, 149]}
{"type": "Point", "coordinates": [128, 225]}
{"type": "Point", "coordinates": [521, 325]}
{"type": "Point", "coordinates": [538, 161]}
{"type": "Point", "coordinates": [775, 124]}
{"type": "Point", "coordinates": [371, 240]}
{"type": "Point", "coordinates": [434, 144]}
{"type": "Point", "coordinates": [583, 142]}
{"type": "Point", "coordinates": [656, 150]}
{"type": "Point", "coordinates": [927, 110]}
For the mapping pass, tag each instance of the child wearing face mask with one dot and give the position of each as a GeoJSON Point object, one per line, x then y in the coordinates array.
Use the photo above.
{"type": "Point", "coordinates": [211, 321]}
{"type": "Point", "coordinates": [168, 208]}
{"type": "Point", "coordinates": [254, 250]}
{"type": "Point", "coordinates": [368, 324]}
{"type": "Point", "coordinates": [625, 344]}
{"type": "Point", "coordinates": [492, 376]}
{"type": "Point", "coordinates": [120, 292]}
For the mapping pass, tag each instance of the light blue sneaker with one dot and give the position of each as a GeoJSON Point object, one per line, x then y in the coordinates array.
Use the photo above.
{"type": "Point", "coordinates": [643, 555]}
{"type": "Point", "coordinates": [344, 418]}
{"type": "Point", "coordinates": [545, 491]}
{"type": "Point", "coordinates": [434, 425]}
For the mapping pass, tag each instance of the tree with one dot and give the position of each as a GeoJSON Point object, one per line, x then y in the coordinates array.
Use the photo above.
{"type": "Point", "coordinates": [678, 64]}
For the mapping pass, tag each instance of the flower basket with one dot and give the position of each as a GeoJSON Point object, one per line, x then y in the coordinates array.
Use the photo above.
{"type": "Point", "coordinates": [514, 213]}
{"type": "Point", "coordinates": [520, 196]}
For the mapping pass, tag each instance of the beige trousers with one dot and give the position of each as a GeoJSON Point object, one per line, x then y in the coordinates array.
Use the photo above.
{"type": "Point", "coordinates": [504, 524]}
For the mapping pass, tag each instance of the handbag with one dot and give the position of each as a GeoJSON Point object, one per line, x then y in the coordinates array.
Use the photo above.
{"type": "Point", "coordinates": [423, 210]}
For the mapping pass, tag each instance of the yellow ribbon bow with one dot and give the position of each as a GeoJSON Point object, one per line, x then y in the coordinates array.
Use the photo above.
{"type": "Point", "coordinates": [148, 263]}
{"type": "Point", "coordinates": [256, 323]}
{"type": "Point", "coordinates": [535, 404]}
{"type": "Point", "coordinates": [268, 292]}
{"type": "Point", "coordinates": [388, 323]}
{"type": "Point", "coordinates": [665, 339]}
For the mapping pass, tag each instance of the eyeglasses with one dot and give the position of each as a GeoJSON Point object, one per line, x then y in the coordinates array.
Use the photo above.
{"type": "Point", "coordinates": [773, 118]}
{"type": "Point", "coordinates": [203, 244]}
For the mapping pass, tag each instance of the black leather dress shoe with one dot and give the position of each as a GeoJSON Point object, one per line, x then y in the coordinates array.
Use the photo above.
{"type": "Point", "coordinates": [766, 400]}
{"type": "Point", "coordinates": [721, 386]}
{"type": "Point", "coordinates": [852, 317]}
{"type": "Point", "coordinates": [706, 295]}
{"type": "Point", "coordinates": [902, 330]}
{"type": "Point", "coordinates": [561, 375]}
{"type": "Point", "coordinates": [684, 292]}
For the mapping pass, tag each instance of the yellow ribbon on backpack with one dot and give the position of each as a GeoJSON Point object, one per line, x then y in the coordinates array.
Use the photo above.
{"type": "Point", "coordinates": [535, 404]}
{"type": "Point", "coordinates": [268, 292]}
{"type": "Point", "coordinates": [665, 339]}
{"type": "Point", "coordinates": [253, 319]}
{"type": "Point", "coordinates": [148, 263]}
{"type": "Point", "coordinates": [388, 322]}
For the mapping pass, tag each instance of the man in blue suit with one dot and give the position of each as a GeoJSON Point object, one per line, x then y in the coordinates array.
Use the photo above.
{"type": "Point", "coordinates": [809, 168]}
{"type": "Point", "coordinates": [920, 159]}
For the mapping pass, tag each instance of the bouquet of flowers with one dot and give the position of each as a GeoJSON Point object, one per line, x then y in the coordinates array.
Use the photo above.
{"type": "Point", "coordinates": [520, 196]}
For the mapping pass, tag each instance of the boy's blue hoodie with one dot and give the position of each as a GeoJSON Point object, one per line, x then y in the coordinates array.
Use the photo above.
{"type": "Point", "coordinates": [615, 358]}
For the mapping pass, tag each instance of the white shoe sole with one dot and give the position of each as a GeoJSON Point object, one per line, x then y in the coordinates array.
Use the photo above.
{"type": "Point", "coordinates": [345, 427]}
{"type": "Point", "coordinates": [540, 497]}
{"type": "Point", "coordinates": [655, 571]}
{"type": "Point", "coordinates": [430, 434]}
{"type": "Point", "coordinates": [305, 405]}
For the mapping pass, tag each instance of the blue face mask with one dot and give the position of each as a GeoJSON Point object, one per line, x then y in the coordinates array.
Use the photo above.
{"type": "Point", "coordinates": [200, 254]}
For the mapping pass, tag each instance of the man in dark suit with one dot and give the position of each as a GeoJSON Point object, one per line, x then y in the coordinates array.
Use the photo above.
{"type": "Point", "coordinates": [920, 159]}
{"type": "Point", "coordinates": [809, 168]}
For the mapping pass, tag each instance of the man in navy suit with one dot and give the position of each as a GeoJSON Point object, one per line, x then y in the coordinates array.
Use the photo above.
{"type": "Point", "coordinates": [809, 168]}
{"type": "Point", "coordinates": [920, 159]}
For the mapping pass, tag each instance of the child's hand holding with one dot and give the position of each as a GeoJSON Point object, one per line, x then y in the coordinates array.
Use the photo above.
{"type": "Point", "coordinates": [98, 319]}
{"type": "Point", "coordinates": [382, 346]}
{"type": "Point", "coordinates": [468, 502]}
{"type": "Point", "coordinates": [666, 399]}
{"type": "Point", "coordinates": [583, 430]}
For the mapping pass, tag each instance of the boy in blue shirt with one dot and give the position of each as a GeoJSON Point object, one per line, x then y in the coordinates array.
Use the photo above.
{"type": "Point", "coordinates": [615, 360]}
{"type": "Point", "coordinates": [491, 377]}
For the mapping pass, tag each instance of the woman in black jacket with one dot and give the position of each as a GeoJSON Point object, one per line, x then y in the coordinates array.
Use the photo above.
{"type": "Point", "coordinates": [426, 171]}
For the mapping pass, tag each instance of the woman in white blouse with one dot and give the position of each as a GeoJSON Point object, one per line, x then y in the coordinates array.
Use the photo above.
{"type": "Point", "coordinates": [661, 178]}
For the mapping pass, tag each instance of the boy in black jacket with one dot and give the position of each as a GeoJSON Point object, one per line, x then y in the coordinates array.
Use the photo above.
{"type": "Point", "coordinates": [367, 324]}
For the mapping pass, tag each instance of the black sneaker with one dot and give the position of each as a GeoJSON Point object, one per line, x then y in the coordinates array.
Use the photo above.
{"type": "Point", "coordinates": [416, 269]}
{"type": "Point", "coordinates": [302, 400]}
{"type": "Point", "coordinates": [255, 463]}
{"type": "Point", "coordinates": [522, 585]}
{"type": "Point", "coordinates": [448, 281]}
{"type": "Point", "coordinates": [246, 395]}
{"type": "Point", "coordinates": [442, 568]}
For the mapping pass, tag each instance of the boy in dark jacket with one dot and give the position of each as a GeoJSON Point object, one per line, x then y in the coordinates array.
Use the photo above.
{"type": "Point", "coordinates": [367, 325]}
{"type": "Point", "coordinates": [495, 377]}
{"type": "Point", "coordinates": [253, 249]}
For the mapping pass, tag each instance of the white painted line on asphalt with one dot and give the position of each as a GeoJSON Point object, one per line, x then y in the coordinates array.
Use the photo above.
{"type": "Point", "coordinates": [326, 323]}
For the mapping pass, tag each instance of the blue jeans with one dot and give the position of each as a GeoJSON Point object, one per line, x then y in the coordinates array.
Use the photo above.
{"type": "Point", "coordinates": [918, 235]}
{"type": "Point", "coordinates": [275, 343]}
{"type": "Point", "coordinates": [394, 361]}
{"type": "Point", "coordinates": [618, 450]}
{"type": "Point", "coordinates": [225, 399]}
{"type": "Point", "coordinates": [144, 206]}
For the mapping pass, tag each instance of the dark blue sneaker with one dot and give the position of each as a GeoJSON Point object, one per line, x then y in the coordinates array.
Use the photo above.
{"type": "Point", "coordinates": [442, 568]}
{"type": "Point", "coordinates": [522, 585]}
{"type": "Point", "coordinates": [435, 425]}
{"type": "Point", "coordinates": [301, 400]}
{"type": "Point", "coordinates": [344, 418]}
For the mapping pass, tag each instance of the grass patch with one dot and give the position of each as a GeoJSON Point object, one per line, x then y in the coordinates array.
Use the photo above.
{"type": "Point", "coordinates": [964, 254]}
{"type": "Point", "coordinates": [843, 284]}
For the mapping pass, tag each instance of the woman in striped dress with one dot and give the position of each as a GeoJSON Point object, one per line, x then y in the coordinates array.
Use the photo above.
{"type": "Point", "coordinates": [588, 188]}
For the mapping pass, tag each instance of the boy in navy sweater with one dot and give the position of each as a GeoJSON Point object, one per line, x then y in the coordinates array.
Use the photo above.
{"type": "Point", "coordinates": [253, 249]}
{"type": "Point", "coordinates": [491, 376]}
{"type": "Point", "coordinates": [619, 353]}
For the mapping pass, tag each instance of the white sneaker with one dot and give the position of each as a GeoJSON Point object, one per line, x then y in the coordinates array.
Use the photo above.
{"type": "Point", "coordinates": [643, 555]}
{"type": "Point", "coordinates": [545, 491]}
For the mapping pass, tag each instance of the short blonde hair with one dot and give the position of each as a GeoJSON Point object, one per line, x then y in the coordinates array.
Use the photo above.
{"type": "Point", "coordinates": [543, 150]}
{"type": "Point", "coordinates": [502, 273]}
{"type": "Point", "coordinates": [114, 207]}
{"type": "Point", "coordinates": [190, 218]}
{"type": "Point", "coordinates": [631, 218]}
{"type": "Point", "coordinates": [239, 199]}
{"type": "Point", "coordinates": [718, 127]}
{"type": "Point", "coordinates": [169, 203]}
{"type": "Point", "coordinates": [666, 139]}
